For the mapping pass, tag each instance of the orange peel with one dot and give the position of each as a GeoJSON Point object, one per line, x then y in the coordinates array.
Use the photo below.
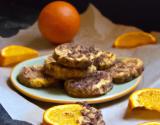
{"type": "Point", "coordinates": [150, 123]}
{"type": "Point", "coordinates": [14, 54]}
{"type": "Point", "coordinates": [134, 39]}
{"type": "Point", "coordinates": [147, 98]}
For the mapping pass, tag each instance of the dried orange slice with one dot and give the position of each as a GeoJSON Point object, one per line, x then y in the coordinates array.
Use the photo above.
{"type": "Point", "coordinates": [150, 123]}
{"type": "Point", "coordinates": [145, 98]}
{"type": "Point", "coordinates": [13, 54]}
{"type": "Point", "coordinates": [134, 39]}
{"type": "Point", "coordinates": [63, 115]}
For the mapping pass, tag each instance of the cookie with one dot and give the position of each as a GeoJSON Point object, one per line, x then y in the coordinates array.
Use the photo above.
{"type": "Point", "coordinates": [126, 70]}
{"type": "Point", "coordinates": [75, 56]}
{"type": "Point", "coordinates": [105, 60]}
{"type": "Point", "coordinates": [96, 84]}
{"type": "Point", "coordinates": [33, 76]}
{"type": "Point", "coordinates": [51, 67]}
{"type": "Point", "coordinates": [91, 115]}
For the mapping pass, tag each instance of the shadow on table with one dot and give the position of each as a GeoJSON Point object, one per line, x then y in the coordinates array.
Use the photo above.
{"type": "Point", "coordinates": [142, 114]}
{"type": "Point", "coordinates": [43, 105]}
{"type": "Point", "coordinates": [11, 86]}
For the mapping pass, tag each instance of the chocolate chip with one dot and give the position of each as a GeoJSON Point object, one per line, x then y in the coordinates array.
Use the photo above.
{"type": "Point", "coordinates": [77, 121]}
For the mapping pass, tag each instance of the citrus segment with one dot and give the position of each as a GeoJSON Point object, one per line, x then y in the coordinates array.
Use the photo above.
{"type": "Point", "coordinates": [134, 39]}
{"type": "Point", "coordinates": [63, 115]}
{"type": "Point", "coordinates": [59, 22]}
{"type": "Point", "coordinates": [13, 54]}
{"type": "Point", "coordinates": [150, 123]}
{"type": "Point", "coordinates": [145, 98]}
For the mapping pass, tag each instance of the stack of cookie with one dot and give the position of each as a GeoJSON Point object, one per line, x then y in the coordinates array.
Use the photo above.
{"type": "Point", "coordinates": [87, 70]}
{"type": "Point", "coordinates": [77, 61]}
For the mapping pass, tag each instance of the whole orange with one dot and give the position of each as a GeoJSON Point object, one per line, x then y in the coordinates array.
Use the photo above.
{"type": "Point", "coordinates": [59, 22]}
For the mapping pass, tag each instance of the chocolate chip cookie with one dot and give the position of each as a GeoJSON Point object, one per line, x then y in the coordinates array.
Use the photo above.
{"type": "Point", "coordinates": [75, 56]}
{"type": "Point", "coordinates": [51, 67]}
{"type": "Point", "coordinates": [97, 83]}
{"type": "Point", "coordinates": [91, 115]}
{"type": "Point", "coordinates": [105, 60]}
{"type": "Point", "coordinates": [33, 76]}
{"type": "Point", "coordinates": [126, 70]}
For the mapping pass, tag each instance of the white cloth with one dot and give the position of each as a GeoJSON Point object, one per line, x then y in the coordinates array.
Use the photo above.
{"type": "Point", "coordinates": [95, 30]}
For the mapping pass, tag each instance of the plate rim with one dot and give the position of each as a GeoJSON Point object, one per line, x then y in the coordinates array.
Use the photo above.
{"type": "Point", "coordinates": [69, 101]}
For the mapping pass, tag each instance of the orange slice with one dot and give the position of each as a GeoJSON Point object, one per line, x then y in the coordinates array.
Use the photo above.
{"type": "Point", "coordinates": [13, 54]}
{"type": "Point", "coordinates": [150, 123]}
{"type": "Point", "coordinates": [134, 39]}
{"type": "Point", "coordinates": [63, 115]}
{"type": "Point", "coordinates": [148, 98]}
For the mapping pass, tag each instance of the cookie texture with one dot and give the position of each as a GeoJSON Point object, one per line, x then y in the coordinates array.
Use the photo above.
{"type": "Point", "coordinates": [51, 67]}
{"type": "Point", "coordinates": [126, 70]}
{"type": "Point", "coordinates": [75, 56]}
{"type": "Point", "coordinates": [91, 115]}
{"type": "Point", "coordinates": [105, 60]}
{"type": "Point", "coordinates": [96, 84]}
{"type": "Point", "coordinates": [33, 76]}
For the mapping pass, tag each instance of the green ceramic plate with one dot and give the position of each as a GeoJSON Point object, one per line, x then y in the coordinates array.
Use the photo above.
{"type": "Point", "coordinates": [59, 95]}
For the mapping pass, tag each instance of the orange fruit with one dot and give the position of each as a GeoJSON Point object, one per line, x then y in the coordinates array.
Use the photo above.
{"type": "Point", "coordinates": [134, 39]}
{"type": "Point", "coordinates": [13, 54]}
{"type": "Point", "coordinates": [63, 115]}
{"type": "Point", "coordinates": [150, 123]}
{"type": "Point", "coordinates": [59, 22]}
{"type": "Point", "coordinates": [145, 98]}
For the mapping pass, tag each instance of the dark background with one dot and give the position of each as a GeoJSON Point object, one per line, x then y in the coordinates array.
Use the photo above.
{"type": "Point", "coordinates": [20, 14]}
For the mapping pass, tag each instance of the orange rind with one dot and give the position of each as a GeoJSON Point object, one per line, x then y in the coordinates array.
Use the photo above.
{"type": "Point", "coordinates": [134, 39]}
{"type": "Point", "coordinates": [150, 123]}
{"type": "Point", "coordinates": [14, 54]}
{"type": "Point", "coordinates": [145, 99]}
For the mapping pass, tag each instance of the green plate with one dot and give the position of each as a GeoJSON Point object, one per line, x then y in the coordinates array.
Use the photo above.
{"type": "Point", "coordinates": [59, 95]}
